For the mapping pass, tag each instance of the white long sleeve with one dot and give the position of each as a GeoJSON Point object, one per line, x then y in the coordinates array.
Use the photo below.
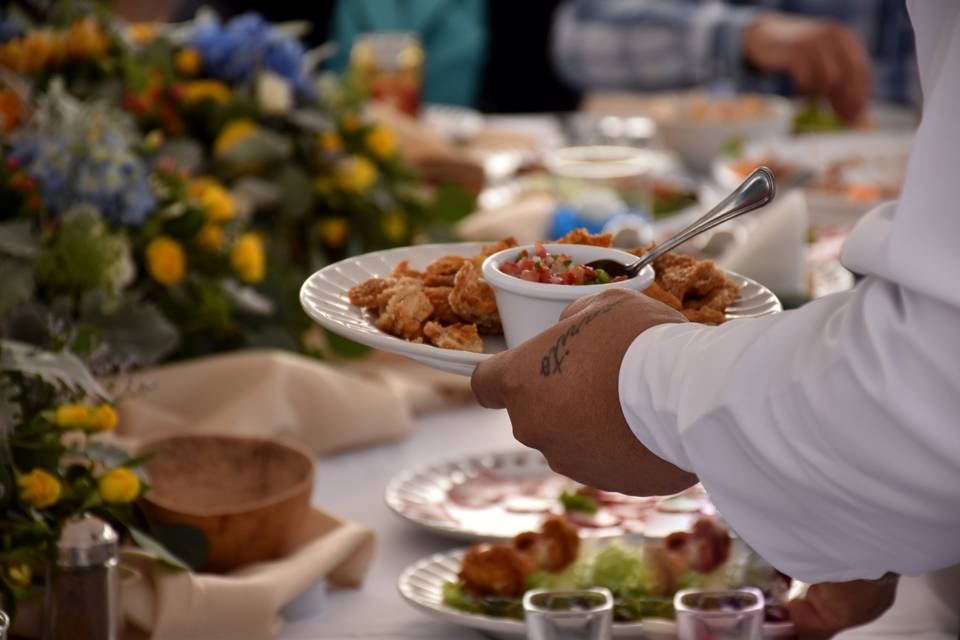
{"type": "Point", "coordinates": [829, 436]}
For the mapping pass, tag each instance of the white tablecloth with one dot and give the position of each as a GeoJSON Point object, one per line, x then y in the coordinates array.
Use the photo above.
{"type": "Point", "coordinates": [351, 485]}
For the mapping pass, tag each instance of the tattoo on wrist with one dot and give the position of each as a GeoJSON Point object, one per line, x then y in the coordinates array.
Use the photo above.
{"type": "Point", "coordinates": [552, 362]}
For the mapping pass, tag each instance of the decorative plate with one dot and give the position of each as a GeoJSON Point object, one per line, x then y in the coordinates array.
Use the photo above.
{"type": "Point", "coordinates": [324, 298]}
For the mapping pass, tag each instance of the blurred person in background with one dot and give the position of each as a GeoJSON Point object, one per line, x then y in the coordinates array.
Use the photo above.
{"type": "Point", "coordinates": [844, 51]}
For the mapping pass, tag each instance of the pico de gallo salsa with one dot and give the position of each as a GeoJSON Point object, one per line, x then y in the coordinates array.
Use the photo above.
{"type": "Point", "coordinates": [554, 268]}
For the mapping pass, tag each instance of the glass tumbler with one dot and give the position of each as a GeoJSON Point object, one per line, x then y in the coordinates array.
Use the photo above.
{"type": "Point", "coordinates": [721, 614]}
{"type": "Point", "coordinates": [568, 614]}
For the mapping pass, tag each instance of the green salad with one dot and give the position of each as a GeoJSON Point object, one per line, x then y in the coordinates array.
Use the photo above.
{"type": "Point", "coordinates": [629, 575]}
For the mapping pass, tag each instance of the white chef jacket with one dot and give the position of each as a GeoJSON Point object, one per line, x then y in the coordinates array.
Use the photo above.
{"type": "Point", "coordinates": [829, 436]}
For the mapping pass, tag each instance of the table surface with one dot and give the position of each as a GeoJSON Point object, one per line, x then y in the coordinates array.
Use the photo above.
{"type": "Point", "coordinates": [351, 485]}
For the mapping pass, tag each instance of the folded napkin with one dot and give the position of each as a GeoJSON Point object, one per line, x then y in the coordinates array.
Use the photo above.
{"type": "Point", "coordinates": [326, 407]}
{"type": "Point", "coordinates": [176, 605]}
{"type": "Point", "coordinates": [775, 250]}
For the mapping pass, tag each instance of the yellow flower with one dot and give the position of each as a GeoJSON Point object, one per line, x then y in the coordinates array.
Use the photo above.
{"type": "Point", "coordinates": [143, 32]}
{"type": "Point", "coordinates": [166, 260]}
{"type": "Point", "coordinates": [199, 90]}
{"type": "Point", "coordinates": [394, 225]}
{"type": "Point", "coordinates": [356, 174]}
{"type": "Point", "coordinates": [350, 123]}
{"type": "Point", "coordinates": [216, 201]}
{"type": "Point", "coordinates": [103, 418]}
{"type": "Point", "coordinates": [210, 237]}
{"type": "Point", "coordinates": [331, 142]}
{"type": "Point", "coordinates": [188, 61]}
{"type": "Point", "coordinates": [248, 258]}
{"type": "Point", "coordinates": [233, 132]}
{"type": "Point", "coordinates": [86, 39]}
{"type": "Point", "coordinates": [381, 142]}
{"type": "Point", "coordinates": [119, 486]}
{"type": "Point", "coordinates": [40, 489]}
{"type": "Point", "coordinates": [20, 574]}
{"type": "Point", "coordinates": [72, 416]}
{"type": "Point", "coordinates": [333, 231]}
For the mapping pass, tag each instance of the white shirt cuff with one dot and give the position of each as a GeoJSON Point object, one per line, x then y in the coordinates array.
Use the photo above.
{"type": "Point", "coordinates": [644, 387]}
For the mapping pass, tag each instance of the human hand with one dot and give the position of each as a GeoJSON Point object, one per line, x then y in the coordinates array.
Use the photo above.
{"type": "Point", "coordinates": [561, 390]}
{"type": "Point", "coordinates": [831, 607]}
{"type": "Point", "coordinates": [823, 57]}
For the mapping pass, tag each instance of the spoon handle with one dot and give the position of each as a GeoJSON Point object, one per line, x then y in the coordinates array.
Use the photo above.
{"type": "Point", "coordinates": [756, 191]}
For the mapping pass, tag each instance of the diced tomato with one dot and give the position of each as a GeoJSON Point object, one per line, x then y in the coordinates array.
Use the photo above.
{"type": "Point", "coordinates": [540, 250]}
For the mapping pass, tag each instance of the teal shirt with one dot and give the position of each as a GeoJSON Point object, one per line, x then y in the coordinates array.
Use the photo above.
{"type": "Point", "coordinates": [453, 34]}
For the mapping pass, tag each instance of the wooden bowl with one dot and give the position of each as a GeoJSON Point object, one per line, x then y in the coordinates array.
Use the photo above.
{"type": "Point", "coordinates": [245, 494]}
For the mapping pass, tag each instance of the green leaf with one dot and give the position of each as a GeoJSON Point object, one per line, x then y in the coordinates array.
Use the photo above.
{"type": "Point", "coordinates": [17, 239]}
{"type": "Point", "coordinates": [136, 332]}
{"type": "Point", "coordinates": [452, 202]}
{"type": "Point", "coordinates": [185, 542]}
{"type": "Point", "coordinates": [578, 502]}
{"type": "Point", "coordinates": [157, 550]}
{"type": "Point", "coordinates": [296, 191]}
{"type": "Point", "coordinates": [56, 368]}
{"type": "Point", "coordinates": [18, 284]}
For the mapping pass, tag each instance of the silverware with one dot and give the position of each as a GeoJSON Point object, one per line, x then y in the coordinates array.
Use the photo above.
{"type": "Point", "coordinates": [756, 191]}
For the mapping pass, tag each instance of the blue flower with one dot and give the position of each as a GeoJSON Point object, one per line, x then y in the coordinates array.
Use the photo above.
{"type": "Point", "coordinates": [10, 27]}
{"type": "Point", "coordinates": [235, 50]}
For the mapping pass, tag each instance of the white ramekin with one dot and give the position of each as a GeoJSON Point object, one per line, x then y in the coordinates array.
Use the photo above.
{"type": "Point", "coordinates": [528, 308]}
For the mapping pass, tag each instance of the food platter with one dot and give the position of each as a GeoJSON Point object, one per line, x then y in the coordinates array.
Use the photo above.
{"type": "Point", "coordinates": [421, 585]}
{"type": "Point", "coordinates": [498, 495]}
{"type": "Point", "coordinates": [324, 298]}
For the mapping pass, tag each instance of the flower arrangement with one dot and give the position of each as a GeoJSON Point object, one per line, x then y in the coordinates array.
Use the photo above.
{"type": "Point", "coordinates": [53, 467]}
{"type": "Point", "coordinates": [170, 186]}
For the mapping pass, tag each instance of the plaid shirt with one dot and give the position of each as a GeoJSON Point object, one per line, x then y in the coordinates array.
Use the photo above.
{"type": "Point", "coordinates": [668, 44]}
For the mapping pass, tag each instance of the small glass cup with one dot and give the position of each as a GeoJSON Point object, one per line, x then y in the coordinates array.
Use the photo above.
{"type": "Point", "coordinates": [720, 614]}
{"type": "Point", "coordinates": [568, 614]}
{"type": "Point", "coordinates": [602, 187]}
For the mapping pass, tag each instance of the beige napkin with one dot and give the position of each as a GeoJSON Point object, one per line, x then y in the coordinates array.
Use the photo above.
{"type": "Point", "coordinates": [527, 219]}
{"type": "Point", "coordinates": [275, 393]}
{"type": "Point", "coordinates": [176, 605]}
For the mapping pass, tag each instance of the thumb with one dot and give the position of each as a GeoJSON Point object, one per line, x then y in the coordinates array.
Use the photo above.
{"type": "Point", "coordinates": [486, 383]}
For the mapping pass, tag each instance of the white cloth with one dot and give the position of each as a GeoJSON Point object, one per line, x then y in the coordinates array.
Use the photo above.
{"type": "Point", "coordinates": [829, 436]}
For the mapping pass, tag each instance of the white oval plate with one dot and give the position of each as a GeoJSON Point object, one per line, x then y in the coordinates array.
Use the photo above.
{"type": "Point", "coordinates": [522, 478]}
{"type": "Point", "coordinates": [421, 584]}
{"type": "Point", "coordinates": [324, 298]}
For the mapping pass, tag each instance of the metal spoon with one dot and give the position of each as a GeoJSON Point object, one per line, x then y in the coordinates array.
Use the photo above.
{"type": "Point", "coordinates": [756, 191]}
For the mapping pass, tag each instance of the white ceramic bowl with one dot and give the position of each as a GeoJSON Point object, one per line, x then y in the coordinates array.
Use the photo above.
{"type": "Point", "coordinates": [699, 141]}
{"type": "Point", "coordinates": [529, 308]}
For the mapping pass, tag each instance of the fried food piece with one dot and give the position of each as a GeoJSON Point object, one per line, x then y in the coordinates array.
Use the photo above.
{"type": "Point", "coordinates": [440, 299]}
{"type": "Point", "coordinates": [704, 315]}
{"type": "Point", "coordinates": [554, 548]}
{"type": "Point", "coordinates": [704, 548]}
{"type": "Point", "coordinates": [490, 249]}
{"type": "Point", "coordinates": [665, 569]}
{"type": "Point", "coordinates": [711, 280]}
{"type": "Point", "coordinates": [582, 236]}
{"type": "Point", "coordinates": [442, 271]}
{"type": "Point", "coordinates": [463, 337]}
{"type": "Point", "coordinates": [718, 299]}
{"type": "Point", "coordinates": [678, 274]}
{"type": "Point", "coordinates": [473, 300]}
{"type": "Point", "coordinates": [405, 309]}
{"type": "Point", "coordinates": [495, 570]}
{"type": "Point", "coordinates": [403, 270]}
{"type": "Point", "coordinates": [656, 292]}
{"type": "Point", "coordinates": [366, 294]}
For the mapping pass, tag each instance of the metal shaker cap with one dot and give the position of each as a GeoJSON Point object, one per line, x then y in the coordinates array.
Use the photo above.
{"type": "Point", "coordinates": [87, 541]}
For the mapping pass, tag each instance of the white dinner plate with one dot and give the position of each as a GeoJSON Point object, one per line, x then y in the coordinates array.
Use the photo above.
{"type": "Point", "coordinates": [324, 298]}
{"type": "Point", "coordinates": [878, 158]}
{"type": "Point", "coordinates": [495, 496]}
{"type": "Point", "coordinates": [421, 584]}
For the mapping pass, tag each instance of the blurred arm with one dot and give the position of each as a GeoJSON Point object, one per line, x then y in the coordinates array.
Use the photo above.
{"type": "Point", "coordinates": [647, 44]}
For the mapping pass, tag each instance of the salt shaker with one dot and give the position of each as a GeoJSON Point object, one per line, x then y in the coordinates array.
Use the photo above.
{"type": "Point", "coordinates": [84, 596]}
{"type": "Point", "coordinates": [4, 625]}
